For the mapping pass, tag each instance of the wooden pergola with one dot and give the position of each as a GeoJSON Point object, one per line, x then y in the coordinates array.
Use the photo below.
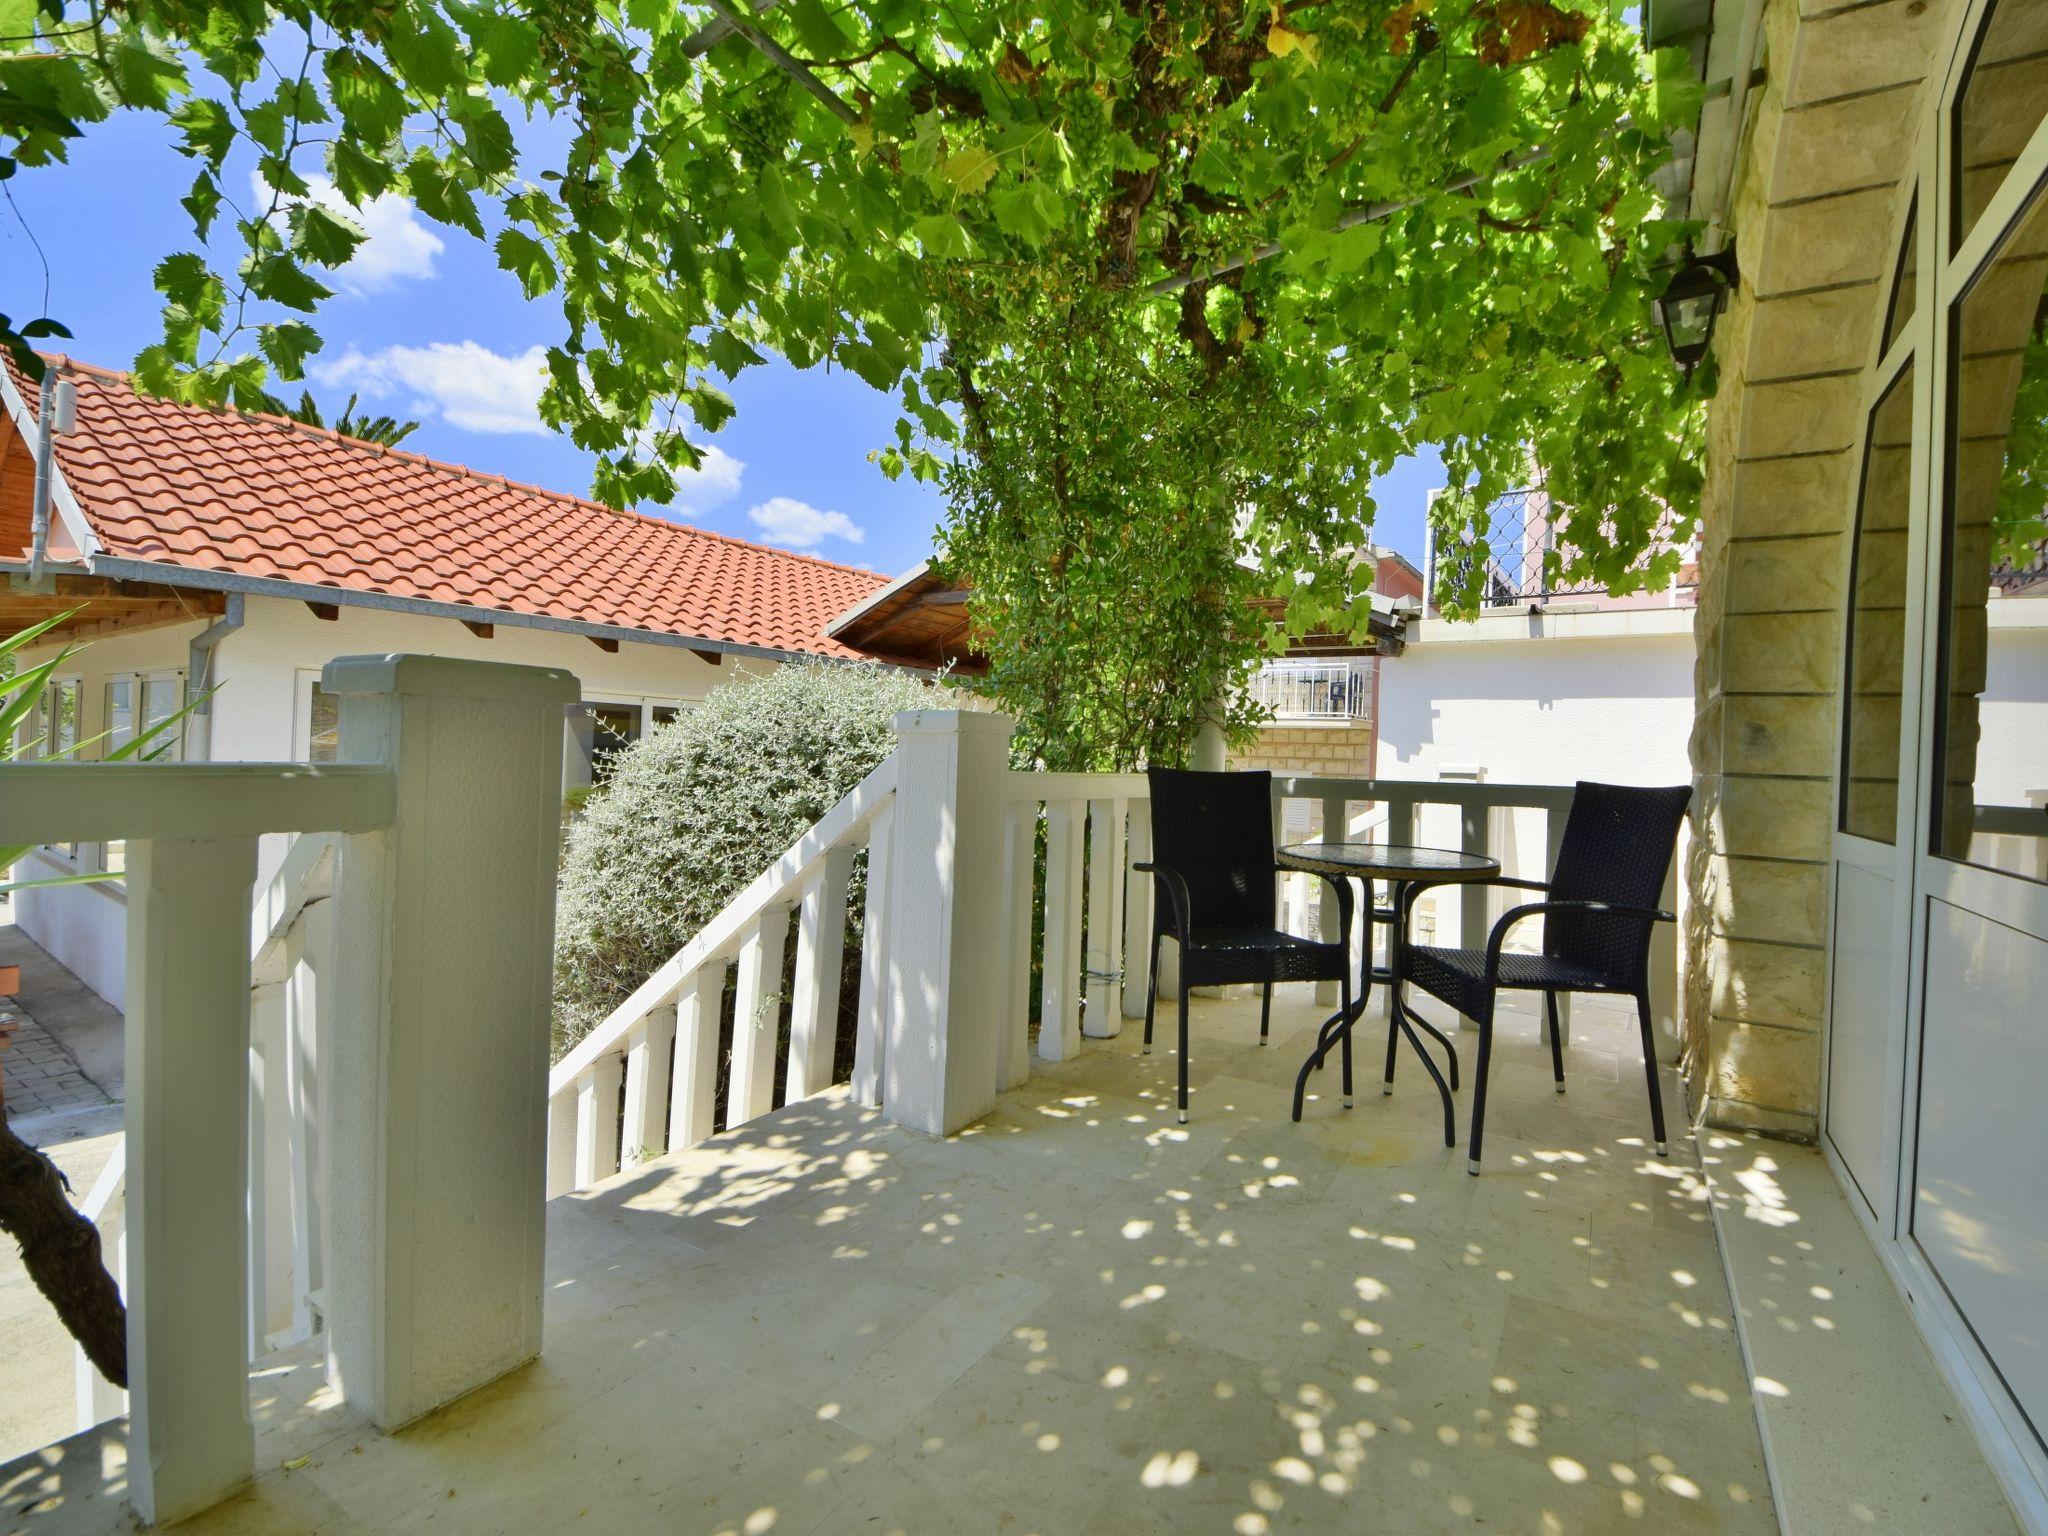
{"type": "Point", "coordinates": [104, 604]}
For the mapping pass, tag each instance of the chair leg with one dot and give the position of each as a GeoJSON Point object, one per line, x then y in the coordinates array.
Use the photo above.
{"type": "Point", "coordinates": [1485, 1023]}
{"type": "Point", "coordinates": [1650, 1071]}
{"type": "Point", "coordinates": [1393, 1039]}
{"type": "Point", "coordinates": [1183, 1053]}
{"type": "Point", "coordinates": [1151, 993]}
{"type": "Point", "coordinates": [1265, 1011]}
{"type": "Point", "coordinates": [1344, 1002]}
{"type": "Point", "coordinates": [1556, 1043]}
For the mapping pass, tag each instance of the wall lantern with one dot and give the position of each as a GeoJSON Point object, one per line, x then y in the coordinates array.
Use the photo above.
{"type": "Point", "coordinates": [1692, 301]}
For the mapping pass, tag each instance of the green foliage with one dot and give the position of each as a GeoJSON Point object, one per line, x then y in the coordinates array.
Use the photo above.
{"type": "Point", "coordinates": [21, 689]}
{"type": "Point", "coordinates": [1095, 513]}
{"type": "Point", "coordinates": [387, 430]}
{"type": "Point", "coordinates": [1351, 230]}
{"type": "Point", "coordinates": [697, 809]}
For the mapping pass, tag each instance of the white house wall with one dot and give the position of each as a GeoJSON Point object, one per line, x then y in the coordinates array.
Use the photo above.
{"type": "Point", "coordinates": [258, 669]}
{"type": "Point", "coordinates": [1516, 700]}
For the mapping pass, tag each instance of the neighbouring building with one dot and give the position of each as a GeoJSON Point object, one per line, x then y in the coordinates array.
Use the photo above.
{"type": "Point", "coordinates": [1868, 927]}
{"type": "Point", "coordinates": [241, 553]}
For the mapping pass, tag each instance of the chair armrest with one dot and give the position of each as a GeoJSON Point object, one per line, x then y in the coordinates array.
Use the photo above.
{"type": "Point", "coordinates": [1175, 884]}
{"type": "Point", "coordinates": [1515, 915]}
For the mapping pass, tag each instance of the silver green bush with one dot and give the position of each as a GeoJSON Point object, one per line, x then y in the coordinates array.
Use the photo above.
{"type": "Point", "coordinates": [697, 809]}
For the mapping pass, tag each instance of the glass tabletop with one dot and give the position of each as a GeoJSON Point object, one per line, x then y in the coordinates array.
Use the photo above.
{"type": "Point", "coordinates": [1388, 861]}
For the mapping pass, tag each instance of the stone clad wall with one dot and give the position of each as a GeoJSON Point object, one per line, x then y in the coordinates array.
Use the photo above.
{"type": "Point", "coordinates": [1826, 169]}
{"type": "Point", "coordinates": [1325, 751]}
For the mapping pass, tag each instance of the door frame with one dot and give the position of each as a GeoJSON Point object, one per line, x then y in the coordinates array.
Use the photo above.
{"type": "Point", "coordinates": [1921, 877]}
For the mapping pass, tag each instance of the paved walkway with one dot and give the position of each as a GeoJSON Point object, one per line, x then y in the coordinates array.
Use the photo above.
{"type": "Point", "coordinates": [70, 1108]}
{"type": "Point", "coordinates": [1084, 1319]}
{"type": "Point", "coordinates": [40, 1077]}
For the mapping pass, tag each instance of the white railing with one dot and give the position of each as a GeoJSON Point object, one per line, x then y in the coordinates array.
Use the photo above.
{"type": "Point", "coordinates": [1314, 690]}
{"type": "Point", "coordinates": [1097, 914]}
{"type": "Point", "coordinates": [1097, 917]}
{"type": "Point", "coordinates": [956, 861]}
{"type": "Point", "coordinates": [664, 1043]}
{"type": "Point", "coordinates": [289, 945]}
{"type": "Point", "coordinates": [445, 835]}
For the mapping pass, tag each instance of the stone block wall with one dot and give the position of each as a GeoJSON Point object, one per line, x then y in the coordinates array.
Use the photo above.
{"type": "Point", "coordinates": [1826, 169]}
{"type": "Point", "coordinates": [1335, 751]}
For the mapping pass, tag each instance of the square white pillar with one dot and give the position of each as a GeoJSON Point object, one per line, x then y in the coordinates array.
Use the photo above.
{"type": "Point", "coordinates": [444, 943]}
{"type": "Point", "coordinates": [190, 1442]}
{"type": "Point", "coordinates": [947, 901]}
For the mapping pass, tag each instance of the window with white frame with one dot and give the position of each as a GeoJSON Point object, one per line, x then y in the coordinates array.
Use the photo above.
{"type": "Point", "coordinates": [135, 701]}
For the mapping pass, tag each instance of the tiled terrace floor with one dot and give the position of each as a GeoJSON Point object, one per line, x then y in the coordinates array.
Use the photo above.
{"type": "Point", "coordinates": [1083, 1319]}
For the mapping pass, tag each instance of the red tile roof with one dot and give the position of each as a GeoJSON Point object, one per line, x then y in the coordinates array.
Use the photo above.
{"type": "Point", "coordinates": [262, 496]}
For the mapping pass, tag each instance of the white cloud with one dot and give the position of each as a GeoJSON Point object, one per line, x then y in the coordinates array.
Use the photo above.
{"type": "Point", "coordinates": [401, 247]}
{"type": "Point", "coordinates": [464, 383]}
{"type": "Point", "coordinates": [785, 520]}
{"type": "Point", "coordinates": [715, 481]}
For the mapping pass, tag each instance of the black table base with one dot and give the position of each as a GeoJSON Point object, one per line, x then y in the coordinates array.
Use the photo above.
{"type": "Point", "coordinates": [1404, 1020]}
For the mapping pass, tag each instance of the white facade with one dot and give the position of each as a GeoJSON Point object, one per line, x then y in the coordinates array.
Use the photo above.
{"type": "Point", "coordinates": [262, 711]}
{"type": "Point", "coordinates": [1547, 700]}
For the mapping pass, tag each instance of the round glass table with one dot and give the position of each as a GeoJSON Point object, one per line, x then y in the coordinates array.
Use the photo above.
{"type": "Point", "coordinates": [1403, 867]}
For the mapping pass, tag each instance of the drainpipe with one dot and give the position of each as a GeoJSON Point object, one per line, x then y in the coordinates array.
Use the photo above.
{"type": "Point", "coordinates": [58, 411]}
{"type": "Point", "coordinates": [199, 677]}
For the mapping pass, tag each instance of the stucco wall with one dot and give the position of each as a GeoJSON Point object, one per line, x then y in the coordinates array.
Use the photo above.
{"type": "Point", "coordinates": [1819, 200]}
{"type": "Point", "coordinates": [256, 719]}
{"type": "Point", "coordinates": [1603, 699]}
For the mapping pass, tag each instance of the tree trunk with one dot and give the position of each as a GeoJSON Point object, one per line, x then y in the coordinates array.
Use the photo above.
{"type": "Point", "coordinates": [61, 1251]}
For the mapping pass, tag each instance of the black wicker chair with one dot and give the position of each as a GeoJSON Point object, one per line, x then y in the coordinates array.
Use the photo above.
{"type": "Point", "coordinates": [1617, 847]}
{"type": "Point", "coordinates": [1213, 875]}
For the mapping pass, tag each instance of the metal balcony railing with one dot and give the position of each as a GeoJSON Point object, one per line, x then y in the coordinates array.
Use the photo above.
{"type": "Point", "coordinates": [1315, 690]}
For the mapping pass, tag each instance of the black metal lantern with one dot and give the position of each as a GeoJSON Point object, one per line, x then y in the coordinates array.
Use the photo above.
{"type": "Point", "coordinates": [1691, 302]}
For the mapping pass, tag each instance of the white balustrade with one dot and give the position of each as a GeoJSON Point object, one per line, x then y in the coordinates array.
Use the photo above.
{"type": "Point", "coordinates": [1107, 872]}
{"type": "Point", "coordinates": [209, 1258]}
{"type": "Point", "coordinates": [1059, 980]}
{"type": "Point", "coordinates": [944, 1023]}
{"type": "Point", "coordinates": [665, 1042]}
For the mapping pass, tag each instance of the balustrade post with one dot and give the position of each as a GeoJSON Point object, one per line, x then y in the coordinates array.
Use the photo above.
{"type": "Point", "coordinates": [190, 1440]}
{"type": "Point", "coordinates": [1020, 837]}
{"type": "Point", "coordinates": [562, 1112]}
{"type": "Point", "coordinates": [444, 938]}
{"type": "Point", "coordinates": [597, 1120]}
{"type": "Point", "coordinates": [820, 961]}
{"type": "Point", "coordinates": [871, 1031]}
{"type": "Point", "coordinates": [757, 1017]}
{"type": "Point", "coordinates": [948, 999]}
{"type": "Point", "coordinates": [309, 957]}
{"type": "Point", "coordinates": [649, 1050]}
{"type": "Point", "coordinates": [1103, 1017]}
{"type": "Point", "coordinates": [1137, 911]}
{"type": "Point", "coordinates": [1334, 831]}
{"type": "Point", "coordinates": [1553, 838]}
{"type": "Point", "coordinates": [693, 1102]}
{"type": "Point", "coordinates": [270, 1190]}
{"type": "Point", "coordinates": [1400, 833]}
{"type": "Point", "coordinates": [1059, 974]}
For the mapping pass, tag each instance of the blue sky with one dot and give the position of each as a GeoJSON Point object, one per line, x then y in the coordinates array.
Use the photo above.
{"type": "Point", "coordinates": [426, 326]}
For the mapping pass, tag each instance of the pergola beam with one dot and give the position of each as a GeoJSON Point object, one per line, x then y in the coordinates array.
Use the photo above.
{"type": "Point", "coordinates": [785, 61]}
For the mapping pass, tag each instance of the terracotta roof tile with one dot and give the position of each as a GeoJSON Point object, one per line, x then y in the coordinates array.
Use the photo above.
{"type": "Point", "coordinates": [257, 495]}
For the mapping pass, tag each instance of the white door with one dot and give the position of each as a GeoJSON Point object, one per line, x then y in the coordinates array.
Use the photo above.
{"type": "Point", "coordinates": [1976, 1184]}
{"type": "Point", "coordinates": [1879, 744]}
